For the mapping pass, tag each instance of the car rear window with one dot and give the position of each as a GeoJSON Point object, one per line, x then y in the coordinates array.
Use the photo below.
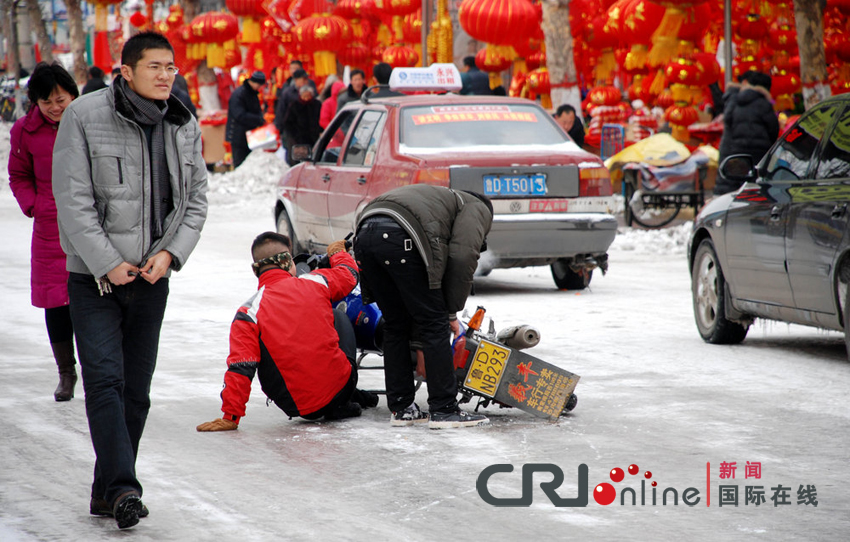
{"type": "Point", "coordinates": [445, 126]}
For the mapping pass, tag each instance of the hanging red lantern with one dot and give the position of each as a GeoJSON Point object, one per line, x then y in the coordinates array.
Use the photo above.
{"type": "Point", "coordinates": [400, 56]}
{"type": "Point", "coordinates": [251, 11]}
{"type": "Point", "coordinates": [498, 22]}
{"type": "Point", "coordinates": [356, 54]}
{"type": "Point", "coordinates": [538, 83]}
{"type": "Point", "coordinates": [682, 71]}
{"type": "Point", "coordinates": [217, 31]}
{"type": "Point", "coordinates": [138, 19]}
{"type": "Point", "coordinates": [680, 116]}
{"type": "Point", "coordinates": [322, 35]}
{"type": "Point", "coordinates": [535, 60]}
{"type": "Point", "coordinates": [493, 64]}
{"type": "Point", "coordinates": [752, 26]}
{"type": "Point", "coordinates": [604, 95]}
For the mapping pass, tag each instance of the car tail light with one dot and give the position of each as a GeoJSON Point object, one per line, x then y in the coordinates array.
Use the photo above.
{"type": "Point", "coordinates": [432, 176]}
{"type": "Point", "coordinates": [594, 181]}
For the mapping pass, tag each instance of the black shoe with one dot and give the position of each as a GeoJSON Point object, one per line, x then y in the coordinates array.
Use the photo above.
{"type": "Point", "coordinates": [365, 399]}
{"type": "Point", "coordinates": [348, 410]}
{"type": "Point", "coordinates": [458, 418]}
{"type": "Point", "coordinates": [408, 416]}
{"type": "Point", "coordinates": [99, 507]}
{"type": "Point", "coordinates": [127, 509]}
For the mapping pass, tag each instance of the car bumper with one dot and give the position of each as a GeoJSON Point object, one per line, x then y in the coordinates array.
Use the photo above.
{"type": "Point", "coordinates": [539, 239]}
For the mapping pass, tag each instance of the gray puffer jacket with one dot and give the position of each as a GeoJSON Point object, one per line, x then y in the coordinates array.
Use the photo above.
{"type": "Point", "coordinates": [448, 228]}
{"type": "Point", "coordinates": [101, 182]}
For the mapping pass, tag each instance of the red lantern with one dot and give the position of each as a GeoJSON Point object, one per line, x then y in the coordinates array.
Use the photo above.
{"type": "Point", "coordinates": [251, 12]}
{"type": "Point", "coordinates": [138, 19]}
{"type": "Point", "coordinates": [356, 54]}
{"type": "Point", "coordinates": [493, 63]}
{"type": "Point", "coordinates": [785, 83]}
{"type": "Point", "coordinates": [752, 27]}
{"type": "Point", "coordinates": [604, 95]}
{"type": "Point", "coordinates": [680, 117]}
{"type": "Point", "coordinates": [538, 81]}
{"type": "Point", "coordinates": [322, 35]}
{"type": "Point", "coordinates": [500, 22]}
{"type": "Point", "coordinates": [218, 31]}
{"type": "Point", "coordinates": [400, 56]}
{"type": "Point", "coordinates": [683, 72]}
{"type": "Point", "coordinates": [535, 60]}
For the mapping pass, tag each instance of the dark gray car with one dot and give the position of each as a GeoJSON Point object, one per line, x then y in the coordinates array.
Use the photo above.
{"type": "Point", "coordinates": [778, 248]}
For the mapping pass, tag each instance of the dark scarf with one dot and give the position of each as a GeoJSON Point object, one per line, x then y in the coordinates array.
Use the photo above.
{"type": "Point", "coordinates": [150, 114]}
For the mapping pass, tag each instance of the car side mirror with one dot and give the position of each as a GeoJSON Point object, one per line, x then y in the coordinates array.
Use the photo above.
{"type": "Point", "coordinates": [302, 153]}
{"type": "Point", "coordinates": [739, 167]}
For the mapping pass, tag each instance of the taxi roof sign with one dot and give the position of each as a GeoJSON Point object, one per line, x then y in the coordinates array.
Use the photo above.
{"type": "Point", "coordinates": [436, 77]}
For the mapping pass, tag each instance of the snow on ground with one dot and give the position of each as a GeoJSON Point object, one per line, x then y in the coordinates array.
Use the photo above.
{"type": "Point", "coordinates": [651, 393]}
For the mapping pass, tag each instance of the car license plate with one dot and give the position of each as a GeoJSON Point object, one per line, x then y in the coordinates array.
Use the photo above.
{"type": "Point", "coordinates": [487, 368]}
{"type": "Point", "coordinates": [515, 185]}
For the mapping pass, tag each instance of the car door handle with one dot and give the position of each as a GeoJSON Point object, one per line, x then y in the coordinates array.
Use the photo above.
{"type": "Point", "coordinates": [361, 179]}
{"type": "Point", "coordinates": [775, 212]}
{"type": "Point", "coordinates": [326, 177]}
{"type": "Point", "coordinates": [839, 210]}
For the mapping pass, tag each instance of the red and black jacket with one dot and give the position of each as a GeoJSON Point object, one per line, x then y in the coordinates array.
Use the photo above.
{"type": "Point", "coordinates": [285, 332]}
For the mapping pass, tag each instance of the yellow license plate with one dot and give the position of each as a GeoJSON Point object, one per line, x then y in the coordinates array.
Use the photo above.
{"type": "Point", "coordinates": [487, 368]}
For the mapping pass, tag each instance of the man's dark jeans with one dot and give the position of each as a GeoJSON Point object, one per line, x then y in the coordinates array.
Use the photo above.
{"type": "Point", "coordinates": [117, 340]}
{"type": "Point", "coordinates": [397, 277]}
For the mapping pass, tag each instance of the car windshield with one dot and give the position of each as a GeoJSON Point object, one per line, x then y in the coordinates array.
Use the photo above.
{"type": "Point", "coordinates": [477, 125]}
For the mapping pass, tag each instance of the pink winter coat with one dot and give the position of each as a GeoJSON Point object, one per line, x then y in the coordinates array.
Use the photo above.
{"type": "Point", "coordinates": [329, 105]}
{"type": "Point", "coordinates": [30, 171]}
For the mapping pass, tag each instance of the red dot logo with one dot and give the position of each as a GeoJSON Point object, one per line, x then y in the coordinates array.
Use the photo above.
{"type": "Point", "coordinates": [617, 474]}
{"type": "Point", "coordinates": [647, 475]}
{"type": "Point", "coordinates": [604, 494]}
{"type": "Point", "coordinates": [654, 484]}
{"type": "Point", "coordinates": [633, 469]}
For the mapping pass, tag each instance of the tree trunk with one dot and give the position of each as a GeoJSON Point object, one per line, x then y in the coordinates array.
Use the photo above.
{"type": "Point", "coordinates": [77, 39]}
{"type": "Point", "coordinates": [37, 21]}
{"type": "Point", "coordinates": [13, 64]}
{"type": "Point", "coordinates": [559, 54]}
{"type": "Point", "coordinates": [808, 15]}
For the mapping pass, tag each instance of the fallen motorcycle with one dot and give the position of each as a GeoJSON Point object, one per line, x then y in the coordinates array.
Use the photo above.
{"type": "Point", "coordinates": [489, 366]}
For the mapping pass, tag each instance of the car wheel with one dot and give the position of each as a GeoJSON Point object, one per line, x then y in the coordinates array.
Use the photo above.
{"type": "Point", "coordinates": [567, 279]}
{"type": "Point", "coordinates": [709, 288]}
{"type": "Point", "coordinates": [284, 227]}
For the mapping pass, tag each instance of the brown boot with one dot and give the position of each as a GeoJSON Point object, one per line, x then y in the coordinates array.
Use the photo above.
{"type": "Point", "coordinates": [64, 354]}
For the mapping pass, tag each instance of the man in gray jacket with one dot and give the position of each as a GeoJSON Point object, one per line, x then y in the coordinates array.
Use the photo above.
{"type": "Point", "coordinates": [130, 186]}
{"type": "Point", "coordinates": [417, 247]}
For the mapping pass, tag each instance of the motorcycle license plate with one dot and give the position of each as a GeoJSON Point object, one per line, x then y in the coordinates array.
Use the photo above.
{"type": "Point", "coordinates": [487, 368]}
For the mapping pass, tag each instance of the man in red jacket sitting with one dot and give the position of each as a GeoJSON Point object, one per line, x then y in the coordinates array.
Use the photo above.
{"type": "Point", "coordinates": [305, 364]}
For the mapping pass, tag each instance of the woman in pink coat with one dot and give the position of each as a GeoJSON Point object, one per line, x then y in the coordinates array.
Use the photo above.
{"type": "Point", "coordinates": [329, 103]}
{"type": "Point", "coordinates": [50, 89]}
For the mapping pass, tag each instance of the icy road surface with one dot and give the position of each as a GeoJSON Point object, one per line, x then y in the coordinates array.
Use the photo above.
{"type": "Point", "coordinates": [651, 394]}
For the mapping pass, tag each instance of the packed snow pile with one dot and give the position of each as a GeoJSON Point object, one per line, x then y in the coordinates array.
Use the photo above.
{"type": "Point", "coordinates": [256, 178]}
{"type": "Point", "coordinates": [669, 240]}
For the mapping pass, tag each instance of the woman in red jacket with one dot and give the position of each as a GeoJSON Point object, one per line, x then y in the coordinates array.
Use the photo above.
{"type": "Point", "coordinates": [51, 88]}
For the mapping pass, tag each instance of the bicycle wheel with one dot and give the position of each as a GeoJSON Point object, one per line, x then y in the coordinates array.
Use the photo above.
{"type": "Point", "coordinates": [651, 215]}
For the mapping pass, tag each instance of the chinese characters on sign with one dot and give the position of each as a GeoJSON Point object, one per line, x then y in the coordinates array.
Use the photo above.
{"type": "Point", "coordinates": [755, 495]}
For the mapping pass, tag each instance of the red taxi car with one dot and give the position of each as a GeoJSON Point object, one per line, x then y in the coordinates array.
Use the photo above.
{"type": "Point", "coordinates": [552, 200]}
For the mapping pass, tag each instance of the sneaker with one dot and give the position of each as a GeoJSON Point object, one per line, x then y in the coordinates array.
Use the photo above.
{"type": "Point", "coordinates": [458, 418]}
{"type": "Point", "coordinates": [126, 510]}
{"type": "Point", "coordinates": [408, 416]}
{"type": "Point", "coordinates": [99, 507]}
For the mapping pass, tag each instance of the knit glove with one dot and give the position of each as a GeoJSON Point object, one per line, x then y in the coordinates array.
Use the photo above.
{"type": "Point", "coordinates": [218, 424]}
{"type": "Point", "coordinates": [336, 246]}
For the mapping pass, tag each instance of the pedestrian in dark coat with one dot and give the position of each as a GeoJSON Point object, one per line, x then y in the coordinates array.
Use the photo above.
{"type": "Point", "coordinates": [301, 123]}
{"type": "Point", "coordinates": [95, 81]}
{"type": "Point", "coordinates": [417, 247]}
{"type": "Point", "coordinates": [474, 81]}
{"type": "Point", "coordinates": [750, 126]}
{"type": "Point", "coordinates": [50, 90]}
{"type": "Point", "coordinates": [244, 113]}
